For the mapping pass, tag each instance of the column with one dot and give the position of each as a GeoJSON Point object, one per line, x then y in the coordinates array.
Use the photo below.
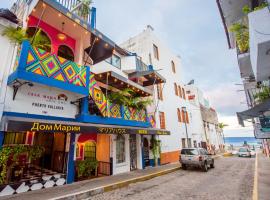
{"type": "Point", "coordinates": [2, 134]}
{"type": "Point", "coordinates": [71, 162]}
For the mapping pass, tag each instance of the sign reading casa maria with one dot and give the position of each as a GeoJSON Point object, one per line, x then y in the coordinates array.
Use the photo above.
{"type": "Point", "coordinates": [42, 100]}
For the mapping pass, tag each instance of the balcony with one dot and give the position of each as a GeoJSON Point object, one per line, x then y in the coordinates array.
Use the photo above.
{"type": "Point", "coordinates": [35, 65]}
{"type": "Point", "coordinates": [259, 31]}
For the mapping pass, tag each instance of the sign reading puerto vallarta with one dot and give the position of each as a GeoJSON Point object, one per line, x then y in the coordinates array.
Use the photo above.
{"type": "Point", "coordinates": [43, 101]}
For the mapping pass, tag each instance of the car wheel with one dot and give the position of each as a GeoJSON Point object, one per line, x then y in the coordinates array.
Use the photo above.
{"type": "Point", "coordinates": [213, 164]}
{"type": "Point", "coordinates": [184, 167]}
{"type": "Point", "coordinates": [205, 167]}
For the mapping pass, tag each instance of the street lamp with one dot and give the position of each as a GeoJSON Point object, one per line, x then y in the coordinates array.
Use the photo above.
{"type": "Point", "coordinates": [185, 110]}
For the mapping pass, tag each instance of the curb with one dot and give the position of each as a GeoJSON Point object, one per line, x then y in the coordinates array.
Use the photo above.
{"type": "Point", "coordinates": [113, 186]}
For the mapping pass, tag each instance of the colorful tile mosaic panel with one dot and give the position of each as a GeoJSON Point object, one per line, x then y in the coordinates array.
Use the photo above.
{"type": "Point", "coordinates": [115, 110]}
{"type": "Point", "coordinates": [49, 65]}
{"type": "Point", "coordinates": [96, 93]}
{"type": "Point", "coordinates": [134, 114]}
{"type": "Point", "coordinates": [151, 119]}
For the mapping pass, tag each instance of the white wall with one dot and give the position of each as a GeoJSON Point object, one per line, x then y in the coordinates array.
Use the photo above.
{"type": "Point", "coordinates": [7, 50]}
{"type": "Point", "coordinates": [259, 29]}
{"type": "Point", "coordinates": [142, 44]}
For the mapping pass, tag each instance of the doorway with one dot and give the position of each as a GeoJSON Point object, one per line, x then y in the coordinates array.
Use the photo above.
{"type": "Point", "coordinates": [133, 152]}
{"type": "Point", "coordinates": [146, 152]}
{"type": "Point", "coordinates": [54, 154]}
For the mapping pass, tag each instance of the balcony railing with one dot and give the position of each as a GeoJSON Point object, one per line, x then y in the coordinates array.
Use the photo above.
{"type": "Point", "coordinates": [258, 95]}
{"type": "Point", "coordinates": [81, 9]}
{"type": "Point", "coordinates": [36, 65]}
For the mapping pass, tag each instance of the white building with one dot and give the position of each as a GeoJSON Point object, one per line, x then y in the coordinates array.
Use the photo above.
{"type": "Point", "coordinates": [173, 110]}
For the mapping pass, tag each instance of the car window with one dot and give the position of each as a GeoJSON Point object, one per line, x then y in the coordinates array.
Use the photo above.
{"type": "Point", "coordinates": [189, 152]}
{"type": "Point", "coordinates": [242, 150]}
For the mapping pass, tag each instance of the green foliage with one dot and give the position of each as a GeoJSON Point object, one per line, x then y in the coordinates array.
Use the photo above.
{"type": "Point", "coordinates": [246, 9]}
{"type": "Point", "coordinates": [85, 167]}
{"type": "Point", "coordinates": [242, 36]}
{"type": "Point", "coordinates": [263, 94]}
{"type": "Point", "coordinates": [84, 10]}
{"type": "Point", "coordinates": [222, 125]}
{"type": "Point", "coordinates": [155, 147]}
{"type": "Point", "coordinates": [18, 35]}
{"type": "Point", "coordinates": [263, 5]}
{"type": "Point", "coordinates": [129, 98]}
{"type": "Point", "coordinates": [11, 153]}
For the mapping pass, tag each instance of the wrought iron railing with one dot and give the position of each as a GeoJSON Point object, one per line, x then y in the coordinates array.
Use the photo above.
{"type": "Point", "coordinates": [104, 168]}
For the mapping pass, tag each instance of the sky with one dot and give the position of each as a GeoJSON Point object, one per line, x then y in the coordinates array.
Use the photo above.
{"type": "Point", "coordinates": [193, 30]}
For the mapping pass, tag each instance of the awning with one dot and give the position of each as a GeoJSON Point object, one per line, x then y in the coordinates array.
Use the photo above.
{"type": "Point", "coordinates": [117, 81]}
{"type": "Point", "coordinates": [253, 112]}
{"type": "Point", "coordinates": [16, 124]}
{"type": "Point", "coordinates": [152, 77]}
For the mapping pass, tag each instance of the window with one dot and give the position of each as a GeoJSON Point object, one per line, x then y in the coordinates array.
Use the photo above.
{"type": "Point", "coordinates": [183, 143]}
{"type": "Point", "coordinates": [187, 118]}
{"type": "Point", "coordinates": [162, 120]}
{"type": "Point", "coordinates": [179, 114]}
{"type": "Point", "coordinates": [173, 67]}
{"type": "Point", "coordinates": [175, 89]}
{"type": "Point", "coordinates": [183, 93]}
{"type": "Point", "coordinates": [14, 138]}
{"type": "Point", "coordinates": [90, 150]}
{"type": "Point", "coordinates": [114, 61]}
{"type": "Point", "coordinates": [120, 149]}
{"type": "Point", "coordinates": [160, 92]}
{"type": "Point", "coordinates": [189, 142]}
{"type": "Point", "coordinates": [184, 116]}
{"type": "Point", "coordinates": [65, 52]}
{"type": "Point", "coordinates": [156, 53]}
{"type": "Point", "coordinates": [179, 91]}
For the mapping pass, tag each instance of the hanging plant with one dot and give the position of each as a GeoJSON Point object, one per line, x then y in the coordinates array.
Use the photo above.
{"type": "Point", "coordinates": [241, 35]}
{"type": "Point", "coordinates": [18, 35]}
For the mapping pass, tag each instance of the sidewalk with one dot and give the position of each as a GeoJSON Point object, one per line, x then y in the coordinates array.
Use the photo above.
{"type": "Point", "coordinates": [85, 189]}
{"type": "Point", "coordinates": [263, 175]}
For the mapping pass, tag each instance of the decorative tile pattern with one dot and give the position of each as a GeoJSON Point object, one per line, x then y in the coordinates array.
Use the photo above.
{"type": "Point", "coordinates": [31, 185]}
{"type": "Point", "coordinates": [114, 110]}
{"type": "Point", "coordinates": [97, 95]}
{"type": "Point", "coordinates": [134, 114]}
{"type": "Point", "coordinates": [151, 119]}
{"type": "Point", "coordinates": [52, 66]}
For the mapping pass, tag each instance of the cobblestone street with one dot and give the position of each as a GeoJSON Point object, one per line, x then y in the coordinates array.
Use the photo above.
{"type": "Point", "coordinates": [231, 179]}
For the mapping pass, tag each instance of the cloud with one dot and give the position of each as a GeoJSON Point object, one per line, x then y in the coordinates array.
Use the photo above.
{"type": "Point", "coordinates": [226, 99]}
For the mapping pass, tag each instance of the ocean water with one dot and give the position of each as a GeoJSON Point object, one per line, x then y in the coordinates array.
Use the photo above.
{"type": "Point", "coordinates": [239, 141]}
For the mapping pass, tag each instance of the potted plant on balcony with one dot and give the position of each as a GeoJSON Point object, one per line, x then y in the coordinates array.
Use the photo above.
{"type": "Point", "coordinates": [241, 35]}
{"type": "Point", "coordinates": [262, 95]}
{"type": "Point", "coordinates": [129, 98]}
{"type": "Point", "coordinates": [82, 8]}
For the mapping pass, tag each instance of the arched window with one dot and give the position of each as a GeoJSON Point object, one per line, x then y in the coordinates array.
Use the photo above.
{"type": "Point", "coordinates": [90, 150]}
{"type": "Point", "coordinates": [173, 67]}
{"type": "Point", "coordinates": [42, 42]}
{"type": "Point", "coordinates": [183, 93]}
{"type": "Point", "coordinates": [180, 91]}
{"type": "Point", "coordinates": [120, 149]}
{"type": "Point", "coordinates": [65, 52]}
{"type": "Point", "coordinates": [179, 114]}
{"type": "Point", "coordinates": [175, 89]}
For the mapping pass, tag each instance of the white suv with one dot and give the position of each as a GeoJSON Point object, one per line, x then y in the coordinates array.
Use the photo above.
{"type": "Point", "coordinates": [198, 157]}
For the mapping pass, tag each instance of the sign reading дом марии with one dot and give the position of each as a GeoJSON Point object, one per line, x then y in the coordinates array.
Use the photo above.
{"type": "Point", "coordinates": [42, 100]}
